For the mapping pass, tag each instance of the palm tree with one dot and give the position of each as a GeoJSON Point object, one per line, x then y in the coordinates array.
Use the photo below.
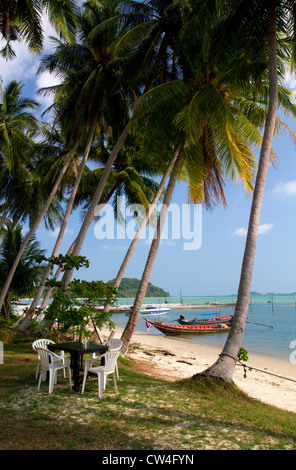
{"type": "Point", "coordinates": [218, 128]}
{"type": "Point", "coordinates": [89, 72]}
{"type": "Point", "coordinates": [149, 49]}
{"type": "Point", "coordinates": [142, 226]}
{"type": "Point", "coordinates": [133, 318]}
{"type": "Point", "coordinates": [17, 125]}
{"type": "Point", "coordinates": [38, 220]}
{"type": "Point", "coordinates": [276, 13]}
{"type": "Point", "coordinates": [20, 19]}
{"type": "Point", "coordinates": [87, 75]}
{"type": "Point", "coordinates": [27, 269]}
{"type": "Point", "coordinates": [20, 195]}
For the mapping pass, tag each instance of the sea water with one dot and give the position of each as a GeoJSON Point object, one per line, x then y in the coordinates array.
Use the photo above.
{"type": "Point", "coordinates": [270, 328]}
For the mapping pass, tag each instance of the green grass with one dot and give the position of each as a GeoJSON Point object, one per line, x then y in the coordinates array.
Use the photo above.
{"type": "Point", "coordinates": [146, 414]}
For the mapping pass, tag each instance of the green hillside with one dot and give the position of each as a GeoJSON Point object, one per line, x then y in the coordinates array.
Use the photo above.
{"type": "Point", "coordinates": [129, 287]}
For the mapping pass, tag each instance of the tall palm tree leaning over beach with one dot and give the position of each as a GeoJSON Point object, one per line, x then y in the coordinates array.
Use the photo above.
{"type": "Point", "coordinates": [19, 21]}
{"type": "Point", "coordinates": [87, 71]}
{"type": "Point", "coordinates": [214, 118]}
{"type": "Point", "coordinates": [142, 226]}
{"type": "Point", "coordinates": [272, 10]}
{"type": "Point", "coordinates": [37, 221]}
{"type": "Point", "coordinates": [149, 55]}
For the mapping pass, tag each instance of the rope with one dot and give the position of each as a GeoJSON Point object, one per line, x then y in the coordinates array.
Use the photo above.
{"type": "Point", "coordinates": [248, 367]}
{"type": "Point", "coordinates": [263, 371]}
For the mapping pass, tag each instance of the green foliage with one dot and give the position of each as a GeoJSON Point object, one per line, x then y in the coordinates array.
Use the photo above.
{"type": "Point", "coordinates": [74, 308]}
{"type": "Point", "coordinates": [243, 355]}
{"type": "Point", "coordinates": [65, 261]}
{"type": "Point", "coordinates": [28, 269]}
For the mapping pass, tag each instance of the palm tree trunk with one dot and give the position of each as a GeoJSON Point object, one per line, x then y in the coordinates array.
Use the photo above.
{"type": "Point", "coordinates": [36, 224]}
{"type": "Point", "coordinates": [24, 325]}
{"type": "Point", "coordinates": [96, 199]}
{"type": "Point", "coordinates": [136, 238]}
{"type": "Point", "coordinates": [59, 270]}
{"type": "Point", "coordinates": [47, 324]}
{"type": "Point", "coordinates": [56, 276]}
{"type": "Point", "coordinates": [224, 367]}
{"type": "Point", "coordinates": [133, 318]}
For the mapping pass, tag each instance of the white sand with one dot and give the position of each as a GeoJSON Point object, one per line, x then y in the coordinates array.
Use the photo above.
{"type": "Point", "coordinates": [261, 385]}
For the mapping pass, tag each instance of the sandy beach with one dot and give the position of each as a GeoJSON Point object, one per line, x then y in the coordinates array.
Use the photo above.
{"type": "Point", "coordinates": [171, 358]}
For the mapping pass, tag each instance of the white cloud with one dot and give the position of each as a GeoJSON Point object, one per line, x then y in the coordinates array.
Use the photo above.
{"type": "Point", "coordinates": [23, 68]}
{"type": "Point", "coordinates": [264, 228]}
{"type": "Point", "coordinates": [242, 232]}
{"type": "Point", "coordinates": [44, 80]}
{"type": "Point", "coordinates": [287, 189]}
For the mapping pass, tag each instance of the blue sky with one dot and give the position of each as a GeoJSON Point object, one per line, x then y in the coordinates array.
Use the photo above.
{"type": "Point", "coordinates": [214, 268]}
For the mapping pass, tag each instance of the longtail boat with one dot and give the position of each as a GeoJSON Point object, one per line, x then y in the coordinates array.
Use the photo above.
{"type": "Point", "coordinates": [209, 321]}
{"type": "Point", "coordinates": [169, 329]}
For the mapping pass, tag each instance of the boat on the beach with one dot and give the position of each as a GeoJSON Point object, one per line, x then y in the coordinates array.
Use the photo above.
{"type": "Point", "coordinates": [169, 329]}
{"type": "Point", "coordinates": [207, 321]}
{"type": "Point", "coordinates": [152, 311]}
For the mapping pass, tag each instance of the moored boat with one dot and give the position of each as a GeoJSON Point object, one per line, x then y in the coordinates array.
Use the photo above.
{"type": "Point", "coordinates": [169, 329]}
{"type": "Point", "coordinates": [152, 311]}
{"type": "Point", "coordinates": [208, 321]}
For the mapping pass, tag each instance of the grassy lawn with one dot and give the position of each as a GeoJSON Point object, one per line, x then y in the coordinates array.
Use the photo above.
{"type": "Point", "coordinates": [146, 414]}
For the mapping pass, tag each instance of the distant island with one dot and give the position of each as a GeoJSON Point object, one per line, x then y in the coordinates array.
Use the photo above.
{"type": "Point", "coordinates": [129, 287]}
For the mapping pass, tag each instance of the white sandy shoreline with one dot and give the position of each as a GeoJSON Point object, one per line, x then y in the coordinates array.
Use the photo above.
{"type": "Point", "coordinates": [172, 358]}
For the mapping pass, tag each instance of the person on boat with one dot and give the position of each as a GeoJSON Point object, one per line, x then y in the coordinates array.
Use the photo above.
{"type": "Point", "coordinates": [181, 317]}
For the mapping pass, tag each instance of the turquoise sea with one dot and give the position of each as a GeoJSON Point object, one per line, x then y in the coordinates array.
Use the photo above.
{"type": "Point", "coordinates": [269, 331]}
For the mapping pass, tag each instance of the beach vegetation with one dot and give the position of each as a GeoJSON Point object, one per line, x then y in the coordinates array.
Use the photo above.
{"type": "Point", "coordinates": [27, 269]}
{"type": "Point", "coordinates": [76, 309]}
{"type": "Point", "coordinates": [148, 413]}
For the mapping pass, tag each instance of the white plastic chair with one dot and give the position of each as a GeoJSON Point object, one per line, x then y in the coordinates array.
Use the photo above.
{"type": "Point", "coordinates": [40, 343]}
{"type": "Point", "coordinates": [102, 372]}
{"type": "Point", "coordinates": [114, 345]}
{"type": "Point", "coordinates": [51, 362]}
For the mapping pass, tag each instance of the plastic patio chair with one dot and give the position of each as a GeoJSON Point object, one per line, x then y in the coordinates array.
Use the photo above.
{"type": "Point", "coordinates": [114, 345]}
{"type": "Point", "coordinates": [51, 362]}
{"type": "Point", "coordinates": [102, 372]}
{"type": "Point", "coordinates": [40, 343]}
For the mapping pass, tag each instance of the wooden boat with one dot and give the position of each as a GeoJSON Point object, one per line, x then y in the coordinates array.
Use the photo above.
{"type": "Point", "coordinates": [169, 329]}
{"type": "Point", "coordinates": [208, 321]}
